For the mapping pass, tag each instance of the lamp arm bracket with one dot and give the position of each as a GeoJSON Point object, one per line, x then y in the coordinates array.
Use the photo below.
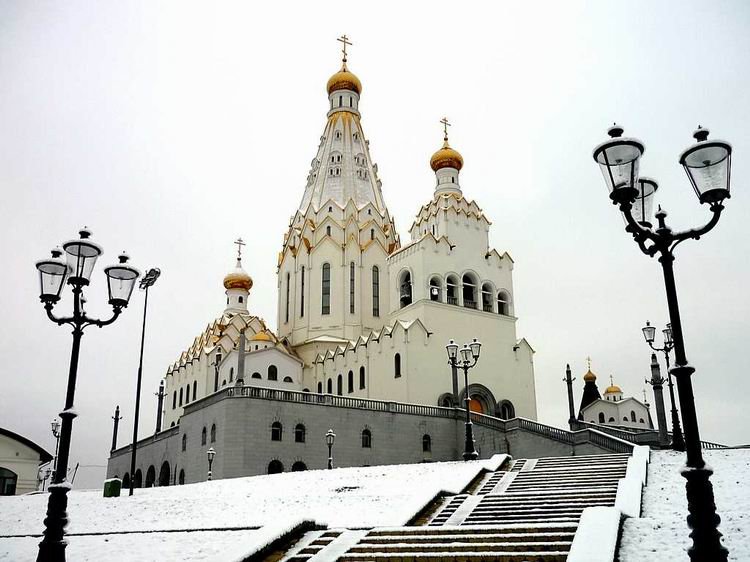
{"type": "Point", "coordinates": [640, 233]}
{"type": "Point", "coordinates": [101, 323]}
{"type": "Point", "coordinates": [59, 321]}
{"type": "Point", "coordinates": [696, 233]}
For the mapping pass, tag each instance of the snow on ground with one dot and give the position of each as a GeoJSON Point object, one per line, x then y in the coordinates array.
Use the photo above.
{"type": "Point", "coordinates": [661, 533]}
{"type": "Point", "coordinates": [352, 497]}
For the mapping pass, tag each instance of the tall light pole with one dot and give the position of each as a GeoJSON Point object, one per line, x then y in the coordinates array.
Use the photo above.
{"type": "Point", "coordinates": [649, 332]}
{"type": "Point", "coordinates": [81, 256]}
{"type": "Point", "coordinates": [657, 381]}
{"type": "Point", "coordinates": [708, 166]}
{"type": "Point", "coordinates": [56, 433]}
{"type": "Point", "coordinates": [330, 438]}
{"type": "Point", "coordinates": [211, 453]}
{"type": "Point", "coordinates": [148, 280]}
{"type": "Point", "coordinates": [469, 355]}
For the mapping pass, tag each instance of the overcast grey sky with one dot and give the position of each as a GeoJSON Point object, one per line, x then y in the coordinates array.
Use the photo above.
{"type": "Point", "coordinates": [171, 128]}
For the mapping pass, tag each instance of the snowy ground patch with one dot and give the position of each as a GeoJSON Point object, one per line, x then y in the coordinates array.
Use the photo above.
{"type": "Point", "coordinates": [661, 533]}
{"type": "Point", "coordinates": [347, 497]}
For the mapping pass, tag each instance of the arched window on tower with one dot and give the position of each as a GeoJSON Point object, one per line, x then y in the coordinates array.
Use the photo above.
{"type": "Point", "coordinates": [181, 390]}
{"type": "Point", "coordinates": [330, 386]}
{"type": "Point", "coordinates": [273, 373]}
{"type": "Point", "coordinates": [187, 394]}
{"type": "Point", "coordinates": [375, 291]}
{"type": "Point", "coordinates": [632, 416]}
{"type": "Point", "coordinates": [184, 442]}
{"type": "Point", "coordinates": [351, 287]}
{"type": "Point", "coordinates": [195, 390]}
{"type": "Point", "coordinates": [487, 305]}
{"type": "Point", "coordinates": [325, 306]}
{"type": "Point", "coordinates": [362, 377]}
{"type": "Point", "coordinates": [502, 303]}
{"type": "Point", "coordinates": [451, 290]}
{"type": "Point", "coordinates": [174, 399]}
{"type": "Point", "coordinates": [340, 385]}
{"type": "Point", "coordinates": [204, 434]}
{"type": "Point", "coordinates": [601, 417]}
{"type": "Point", "coordinates": [328, 230]}
{"type": "Point", "coordinates": [405, 289]}
{"type": "Point", "coordinates": [469, 291]}
{"type": "Point", "coordinates": [435, 289]}
{"type": "Point", "coordinates": [213, 433]}
{"type": "Point", "coordinates": [286, 313]}
{"type": "Point", "coordinates": [350, 382]}
{"type": "Point", "coordinates": [320, 388]}
{"type": "Point", "coordinates": [397, 365]}
{"type": "Point", "coordinates": [302, 293]}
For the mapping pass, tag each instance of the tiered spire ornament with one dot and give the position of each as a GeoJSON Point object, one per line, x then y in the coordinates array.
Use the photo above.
{"type": "Point", "coordinates": [238, 277]}
{"type": "Point", "coordinates": [344, 79]}
{"type": "Point", "coordinates": [446, 157]}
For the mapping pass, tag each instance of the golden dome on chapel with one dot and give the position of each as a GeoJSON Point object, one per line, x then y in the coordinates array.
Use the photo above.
{"type": "Point", "coordinates": [344, 80]}
{"type": "Point", "coordinates": [446, 157]}
{"type": "Point", "coordinates": [613, 389]}
{"type": "Point", "coordinates": [589, 376]}
{"type": "Point", "coordinates": [261, 336]}
{"type": "Point", "coordinates": [238, 279]}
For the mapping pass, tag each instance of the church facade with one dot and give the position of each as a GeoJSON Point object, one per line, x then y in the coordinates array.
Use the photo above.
{"type": "Point", "coordinates": [361, 314]}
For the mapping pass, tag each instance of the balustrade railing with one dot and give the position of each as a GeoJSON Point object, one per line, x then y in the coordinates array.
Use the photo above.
{"type": "Point", "coordinates": [453, 300]}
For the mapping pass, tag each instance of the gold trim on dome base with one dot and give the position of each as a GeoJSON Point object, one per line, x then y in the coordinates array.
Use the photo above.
{"type": "Point", "coordinates": [238, 280]}
{"type": "Point", "coordinates": [446, 157]}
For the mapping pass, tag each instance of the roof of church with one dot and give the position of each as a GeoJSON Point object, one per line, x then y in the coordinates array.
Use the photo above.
{"type": "Point", "coordinates": [44, 456]}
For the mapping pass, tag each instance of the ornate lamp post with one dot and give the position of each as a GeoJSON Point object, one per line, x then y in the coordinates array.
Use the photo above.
{"type": "Point", "coordinates": [649, 332]}
{"type": "Point", "coordinates": [148, 280]}
{"type": "Point", "coordinates": [708, 165]}
{"type": "Point", "coordinates": [81, 256]}
{"type": "Point", "coordinates": [330, 438]}
{"type": "Point", "coordinates": [469, 355]}
{"type": "Point", "coordinates": [211, 454]}
{"type": "Point", "coordinates": [56, 432]}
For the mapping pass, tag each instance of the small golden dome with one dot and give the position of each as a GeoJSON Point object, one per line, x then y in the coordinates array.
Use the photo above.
{"type": "Point", "coordinates": [613, 389]}
{"type": "Point", "coordinates": [238, 279]}
{"type": "Point", "coordinates": [446, 157]}
{"type": "Point", "coordinates": [261, 336]}
{"type": "Point", "coordinates": [344, 80]}
{"type": "Point", "coordinates": [589, 376]}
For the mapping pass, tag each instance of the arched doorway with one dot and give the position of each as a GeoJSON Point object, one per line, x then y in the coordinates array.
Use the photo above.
{"type": "Point", "coordinates": [8, 480]}
{"type": "Point", "coordinates": [164, 474]}
{"type": "Point", "coordinates": [181, 478]}
{"type": "Point", "coordinates": [150, 476]}
{"type": "Point", "coordinates": [475, 405]}
{"type": "Point", "coordinates": [299, 466]}
{"type": "Point", "coordinates": [126, 481]}
{"type": "Point", "coordinates": [138, 479]}
{"type": "Point", "coordinates": [275, 467]}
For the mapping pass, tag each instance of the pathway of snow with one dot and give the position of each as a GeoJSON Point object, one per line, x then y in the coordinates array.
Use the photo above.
{"type": "Point", "coordinates": [661, 533]}
{"type": "Point", "coordinates": [348, 497]}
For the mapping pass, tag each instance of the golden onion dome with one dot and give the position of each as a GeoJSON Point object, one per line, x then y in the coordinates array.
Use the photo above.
{"type": "Point", "coordinates": [344, 80]}
{"type": "Point", "coordinates": [238, 279]}
{"type": "Point", "coordinates": [589, 376]}
{"type": "Point", "coordinates": [446, 157]}
{"type": "Point", "coordinates": [613, 389]}
{"type": "Point", "coordinates": [261, 336]}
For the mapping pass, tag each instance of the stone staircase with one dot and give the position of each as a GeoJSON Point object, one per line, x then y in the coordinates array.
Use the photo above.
{"type": "Point", "coordinates": [526, 512]}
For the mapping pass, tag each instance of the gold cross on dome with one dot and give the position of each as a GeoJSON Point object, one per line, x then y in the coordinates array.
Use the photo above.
{"type": "Point", "coordinates": [446, 124]}
{"type": "Point", "coordinates": [644, 396]}
{"type": "Point", "coordinates": [611, 381]}
{"type": "Point", "coordinates": [345, 41]}
{"type": "Point", "coordinates": [588, 360]}
{"type": "Point", "coordinates": [239, 243]}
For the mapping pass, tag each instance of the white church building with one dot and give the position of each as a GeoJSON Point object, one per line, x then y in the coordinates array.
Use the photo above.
{"type": "Point", "coordinates": [362, 324]}
{"type": "Point", "coordinates": [359, 313]}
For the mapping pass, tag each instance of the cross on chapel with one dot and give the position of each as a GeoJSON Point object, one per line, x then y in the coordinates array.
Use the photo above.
{"type": "Point", "coordinates": [345, 41]}
{"type": "Point", "coordinates": [446, 124]}
{"type": "Point", "coordinates": [239, 243]}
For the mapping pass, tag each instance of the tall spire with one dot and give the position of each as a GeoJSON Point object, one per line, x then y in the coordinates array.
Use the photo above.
{"type": "Point", "coordinates": [237, 284]}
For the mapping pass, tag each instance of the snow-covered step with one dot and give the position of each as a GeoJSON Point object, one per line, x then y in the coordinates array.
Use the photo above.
{"type": "Point", "coordinates": [448, 556]}
{"type": "Point", "coordinates": [458, 547]}
{"type": "Point", "coordinates": [476, 537]}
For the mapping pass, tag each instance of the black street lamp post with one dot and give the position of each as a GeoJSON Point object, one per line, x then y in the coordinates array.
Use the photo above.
{"type": "Point", "coordinates": [708, 165]}
{"type": "Point", "coordinates": [469, 357]}
{"type": "Point", "coordinates": [211, 454]}
{"type": "Point", "coordinates": [56, 433]}
{"type": "Point", "coordinates": [330, 438]}
{"type": "Point", "coordinates": [649, 332]}
{"type": "Point", "coordinates": [147, 281]}
{"type": "Point", "coordinates": [81, 256]}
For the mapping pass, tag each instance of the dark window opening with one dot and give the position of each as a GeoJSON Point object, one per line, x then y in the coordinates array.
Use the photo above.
{"type": "Point", "coordinates": [350, 382]}
{"type": "Point", "coordinates": [273, 373]}
{"type": "Point", "coordinates": [375, 291]}
{"type": "Point", "coordinates": [326, 289]}
{"type": "Point", "coordinates": [361, 378]}
{"type": "Point", "coordinates": [299, 433]}
{"type": "Point", "coordinates": [397, 365]}
{"type": "Point", "coordinates": [276, 431]}
{"type": "Point", "coordinates": [366, 439]}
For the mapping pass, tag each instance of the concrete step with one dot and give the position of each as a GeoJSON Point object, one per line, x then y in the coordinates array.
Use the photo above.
{"type": "Point", "coordinates": [455, 547]}
{"type": "Point", "coordinates": [550, 556]}
{"type": "Point", "coordinates": [478, 537]}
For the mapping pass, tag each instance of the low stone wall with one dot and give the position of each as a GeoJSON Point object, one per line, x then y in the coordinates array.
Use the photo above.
{"type": "Point", "coordinates": [244, 418]}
